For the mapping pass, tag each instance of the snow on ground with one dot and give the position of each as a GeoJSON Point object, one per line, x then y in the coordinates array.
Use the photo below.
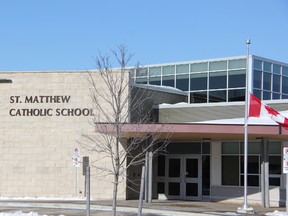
{"type": "Point", "coordinates": [19, 213]}
{"type": "Point", "coordinates": [277, 213]}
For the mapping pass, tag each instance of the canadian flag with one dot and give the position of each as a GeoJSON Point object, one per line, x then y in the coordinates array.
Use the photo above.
{"type": "Point", "coordinates": [258, 109]}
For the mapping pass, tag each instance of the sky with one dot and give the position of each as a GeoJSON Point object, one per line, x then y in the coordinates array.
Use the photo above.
{"type": "Point", "coordinates": [71, 34]}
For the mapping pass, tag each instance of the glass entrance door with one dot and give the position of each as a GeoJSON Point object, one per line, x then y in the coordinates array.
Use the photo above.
{"type": "Point", "coordinates": [184, 177]}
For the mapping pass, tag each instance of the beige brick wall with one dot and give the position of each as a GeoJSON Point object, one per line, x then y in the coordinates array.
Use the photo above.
{"type": "Point", "coordinates": [36, 151]}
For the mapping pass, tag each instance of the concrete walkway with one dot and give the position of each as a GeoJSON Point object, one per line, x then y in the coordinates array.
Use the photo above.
{"type": "Point", "coordinates": [157, 207]}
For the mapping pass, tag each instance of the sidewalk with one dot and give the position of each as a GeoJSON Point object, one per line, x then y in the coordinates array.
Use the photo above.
{"type": "Point", "coordinates": [157, 207]}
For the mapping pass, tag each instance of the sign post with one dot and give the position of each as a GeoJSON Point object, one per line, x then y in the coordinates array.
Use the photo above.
{"type": "Point", "coordinates": [76, 164]}
{"type": "Point", "coordinates": [285, 170]}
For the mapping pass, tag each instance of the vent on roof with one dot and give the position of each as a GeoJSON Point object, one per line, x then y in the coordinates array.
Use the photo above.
{"type": "Point", "coordinates": [5, 81]}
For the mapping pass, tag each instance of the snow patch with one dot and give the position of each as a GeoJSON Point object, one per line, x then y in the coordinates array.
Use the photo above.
{"type": "Point", "coordinates": [277, 213]}
{"type": "Point", "coordinates": [19, 213]}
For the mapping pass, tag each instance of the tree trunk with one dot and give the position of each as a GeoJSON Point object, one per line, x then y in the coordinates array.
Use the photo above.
{"type": "Point", "coordinates": [115, 190]}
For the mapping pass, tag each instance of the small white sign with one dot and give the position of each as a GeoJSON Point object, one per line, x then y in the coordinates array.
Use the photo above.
{"type": "Point", "coordinates": [285, 160]}
{"type": "Point", "coordinates": [76, 157]}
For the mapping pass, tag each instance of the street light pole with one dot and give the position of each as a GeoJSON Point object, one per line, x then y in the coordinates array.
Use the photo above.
{"type": "Point", "coordinates": [246, 208]}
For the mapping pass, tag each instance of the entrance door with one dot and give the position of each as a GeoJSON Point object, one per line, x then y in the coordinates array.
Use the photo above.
{"type": "Point", "coordinates": [184, 177]}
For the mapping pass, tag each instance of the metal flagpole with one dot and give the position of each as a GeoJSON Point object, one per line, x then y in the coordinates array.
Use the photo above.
{"type": "Point", "coordinates": [246, 208]}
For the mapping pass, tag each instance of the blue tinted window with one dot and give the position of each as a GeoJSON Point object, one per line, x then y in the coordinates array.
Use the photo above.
{"type": "Point", "coordinates": [257, 93]}
{"type": "Point", "coordinates": [182, 82]}
{"type": "Point", "coordinates": [236, 79]}
{"type": "Point", "coordinates": [257, 64]}
{"type": "Point", "coordinates": [199, 67]}
{"type": "Point", "coordinates": [275, 96]}
{"type": "Point", "coordinates": [267, 66]}
{"type": "Point", "coordinates": [276, 83]}
{"type": "Point", "coordinates": [276, 68]}
{"type": "Point", "coordinates": [141, 72]}
{"type": "Point", "coordinates": [285, 71]}
{"type": "Point", "coordinates": [266, 95]}
{"type": "Point", "coordinates": [155, 71]}
{"type": "Point", "coordinates": [266, 81]}
{"type": "Point", "coordinates": [218, 80]}
{"type": "Point", "coordinates": [198, 97]}
{"type": "Point", "coordinates": [180, 69]}
{"type": "Point", "coordinates": [217, 96]}
{"type": "Point", "coordinates": [168, 81]}
{"type": "Point", "coordinates": [168, 70]}
{"type": "Point", "coordinates": [218, 65]}
{"type": "Point", "coordinates": [257, 79]}
{"type": "Point", "coordinates": [285, 85]}
{"type": "Point", "coordinates": [142, 80]}
{"type": "Point", "coordinates": [198, 81]}
{"type": "Point", "coordinates": [238, 63]}
{"type": "Point", "coordinates": [155, 80]}
{"type": "Point", "coordinates": [236, 95]}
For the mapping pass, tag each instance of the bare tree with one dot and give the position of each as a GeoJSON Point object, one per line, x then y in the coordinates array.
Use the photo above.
{"type": "Point", "coordinates": [123, 119]}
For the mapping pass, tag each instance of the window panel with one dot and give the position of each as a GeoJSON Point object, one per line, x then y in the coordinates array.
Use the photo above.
{"type": "Point", "coordinates": [253, 164]}
{"type": "Point", "coordinates": [252, 180]}
{"type": "Point", "coordinates": [257, 93]}
{"type": "Point", "coordinates": [168, 81]}
{"type": "Point", "coordinates": [236, 95]}
{"type": "Point", "coordinates": [266, 95]}
{"type": "Point", "coordinates": [142, 80]}
{"type": "Point", "coordinates": [276, 83]}
{"type": "Point", "coordinates": [267, 81]}
{"type": "Point", "coordinates": [206, 175]}
{"type": "Point", "coordinates": [217, 96]}
{"type": "Point", "coordinates": [230, 170]}
{"type": "Point", "coordinates": [161, 165]}
{"type": "Point", "coordinates": [257, 81]}
{"type": "Point", "coordinates": [218, 65]}
{"type": "Point", "coordinates": [276, 96]}
{"type": "Point", "coordinates": [168, 70]}
{"type": "Point", "coordinates": [276, 68]}
{"type": "Point", "coordinates": [238, 63]}
{"type": "Point", "coordinates": [182, 82]}
{"type": "Point", "coordinates": [274, 181]}
{"type": "Point", "coordinates": [206, 147]}
{"type": "Point", "coordinates": [230, 147]}
{"type": "Point", "coordinates": [141, 72]}
{"type": "Point", "coordinates": [284, 71]}
{"type": "Point", "coordinates": [155, 71]}
{"type": "Point", "coordinates": [184, 148]}
{"type": "Point", "coordinates": [236, 78]}
{"type": "Point", "coordinates": [198, 81]}
{"type": "Point", "coordinates": [180, 69]}
{"type": "Point", "coordinates": [218, 80]}
{"type": "Point", "coordinates": [198, 97]}
{"type": "Point", "coordinates": [155, 80]}
{"type": "Point", "coordinates": [161, 187]}
{"type": "Point", "coordinates": [274, 147]}
{"type": "Point", "coordinates": [285, 85]}
{"type": "Point", "coordinates": [257, 64]}
{"type": "Point", "coordinates": [267, 66]}
{"type": "Point", "coordinates": [275, 165]}
{"type": "Point", "coordinates": [199, 67]}
{"type": "Point", "coordinates": [253, 147]}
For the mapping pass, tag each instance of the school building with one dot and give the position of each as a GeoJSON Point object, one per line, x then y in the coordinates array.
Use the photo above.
{"type": "Point", "coordinates": [202, 103]}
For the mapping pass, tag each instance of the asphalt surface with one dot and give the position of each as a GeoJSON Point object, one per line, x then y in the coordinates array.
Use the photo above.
{"type": "Point", "coordinates": [128, 208]}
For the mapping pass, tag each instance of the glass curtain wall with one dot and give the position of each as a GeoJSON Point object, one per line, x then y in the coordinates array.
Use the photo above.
{"type": "Point", "coordinates": [222, 80]}
{"type": "Point", "coordinates": [233, 163]}
{"type": "Point", "coordinates": [270, 80]}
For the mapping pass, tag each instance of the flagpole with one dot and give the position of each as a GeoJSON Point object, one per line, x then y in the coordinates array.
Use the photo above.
{"type": "Point", "coordinates": [246, 208]}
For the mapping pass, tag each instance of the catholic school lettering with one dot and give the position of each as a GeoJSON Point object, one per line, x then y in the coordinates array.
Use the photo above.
{"type": "Point", "coordinates": [49, 111]}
